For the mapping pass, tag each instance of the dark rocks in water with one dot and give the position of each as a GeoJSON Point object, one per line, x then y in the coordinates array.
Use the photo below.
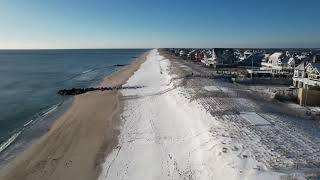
{"type": "Point", "coordinates": [73, 91]}
{"type": "Point", "coordinates": [119, 65]}
{"type": "Point", "coordinates": [76, 91]}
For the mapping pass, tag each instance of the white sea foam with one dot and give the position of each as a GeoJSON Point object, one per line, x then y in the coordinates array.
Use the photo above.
{"type": "Point", "coordinates": [84, 72]}
{"type": "Point", "coordinates": [7, 143]}
{"type": "Point", "coordinates": [50, 110]}
{"type": "Point", "coordinates": [29, 122]}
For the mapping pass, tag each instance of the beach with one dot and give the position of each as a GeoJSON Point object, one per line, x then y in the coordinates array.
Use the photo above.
{"type": "Point", "coordinates": [78, 141]}
{"type": "Point", "coordinates": [180, 125]}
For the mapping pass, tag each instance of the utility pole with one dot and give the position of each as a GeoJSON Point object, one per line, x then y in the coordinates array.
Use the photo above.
{"type": "Point", "coordinates": [305, 100]}
{"type": "Point", "coordinates": [252, 68]}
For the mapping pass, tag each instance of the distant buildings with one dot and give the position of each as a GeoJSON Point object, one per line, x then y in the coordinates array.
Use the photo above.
{"type": "Point", "coordinates": [279, 64]}
{"type": "Point", "coordinates": [254, 59]}
{"type": "Point", "coordinates": [219, 57]}
{"type": "Point", "coordinates": [302, 65]}
{"type": "Point", "coordinates": [247, 54]}
{"type": "Point", "coordinates": [181, 53]}
{"type": "Point", "coordinates": [210, 59]}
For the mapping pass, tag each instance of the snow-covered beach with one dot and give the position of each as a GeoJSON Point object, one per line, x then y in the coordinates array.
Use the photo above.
{"type": "Point", "coordinates": [165, 135]}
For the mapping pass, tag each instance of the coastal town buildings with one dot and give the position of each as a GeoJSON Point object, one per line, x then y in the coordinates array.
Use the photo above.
{"type": "Point", "coordinates": [210, 58]}
{"type": "Point", "coordinates": [252, 60]}
{"type": "Point", "coordinates": [307, 79]}
{"type": "Point", "coordinates": [266, 66]}
{"type": "Point", "coordinates": [279, 64]}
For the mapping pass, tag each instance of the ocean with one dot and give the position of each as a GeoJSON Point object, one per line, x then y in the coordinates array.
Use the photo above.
{"type": "Point", "coordinates": [29, 81]}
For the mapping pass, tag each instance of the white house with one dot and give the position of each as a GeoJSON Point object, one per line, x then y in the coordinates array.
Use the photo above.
{"type": "Point", "coordinates": [279, 64]}
{"type": "Point", "coordinates": [210, 61]}
{"type": "Point", "coordinates": [307, 75]}
{"type": "Point", "coordinates": [181, 53]}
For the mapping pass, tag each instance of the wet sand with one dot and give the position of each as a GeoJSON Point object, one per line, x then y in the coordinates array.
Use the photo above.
{"type": "Point", "coordinates": [77, 143]}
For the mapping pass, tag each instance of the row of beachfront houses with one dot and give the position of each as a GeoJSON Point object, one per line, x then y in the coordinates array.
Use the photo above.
{"type": "Point", "coordinates": [270, 62]}
{"type": "Point", "coordinates": [303, 66]}
{"type": "Point", "coordinates": [273, 62]}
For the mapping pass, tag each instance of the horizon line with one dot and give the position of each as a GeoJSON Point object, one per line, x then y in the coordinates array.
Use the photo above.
{"type": "Point", "coordinates": [316, 48]}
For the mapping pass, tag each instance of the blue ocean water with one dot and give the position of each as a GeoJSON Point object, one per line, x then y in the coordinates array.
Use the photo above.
{"type": "Point", "coordinates": [30, 79]}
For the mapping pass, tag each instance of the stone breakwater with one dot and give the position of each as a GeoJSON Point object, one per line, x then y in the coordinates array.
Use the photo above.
{"type": "Point", "coordinates": [76, 91]}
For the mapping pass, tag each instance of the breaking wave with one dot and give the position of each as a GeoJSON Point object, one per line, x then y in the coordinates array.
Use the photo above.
{"type": "Point", "coordinates": [39, 117]}
{"type": "Point", "coordinates": [7, 143]}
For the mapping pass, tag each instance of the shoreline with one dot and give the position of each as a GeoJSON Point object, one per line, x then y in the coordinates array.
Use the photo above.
{"type": "Point", "coordinates": [35, 128]}
{"type": "Point", "coordinates": [38, 124]}
{"type": "Point", "coordinates": [77, 142]}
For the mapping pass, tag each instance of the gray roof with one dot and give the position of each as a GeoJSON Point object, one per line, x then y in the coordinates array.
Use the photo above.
{"type": "Point", "coordinates": [316, 66]}
{"type": "Point", "coordinates": [301, 66]}
{"type": "Point", "coordinates": [285, 60]}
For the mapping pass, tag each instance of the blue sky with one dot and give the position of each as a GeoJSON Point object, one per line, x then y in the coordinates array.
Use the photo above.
{"type": "Point", "coordinates": [161, 23]}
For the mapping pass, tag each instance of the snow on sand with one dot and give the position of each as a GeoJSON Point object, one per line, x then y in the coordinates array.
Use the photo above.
{"type": "Point", "coordinates": [165, 136]}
